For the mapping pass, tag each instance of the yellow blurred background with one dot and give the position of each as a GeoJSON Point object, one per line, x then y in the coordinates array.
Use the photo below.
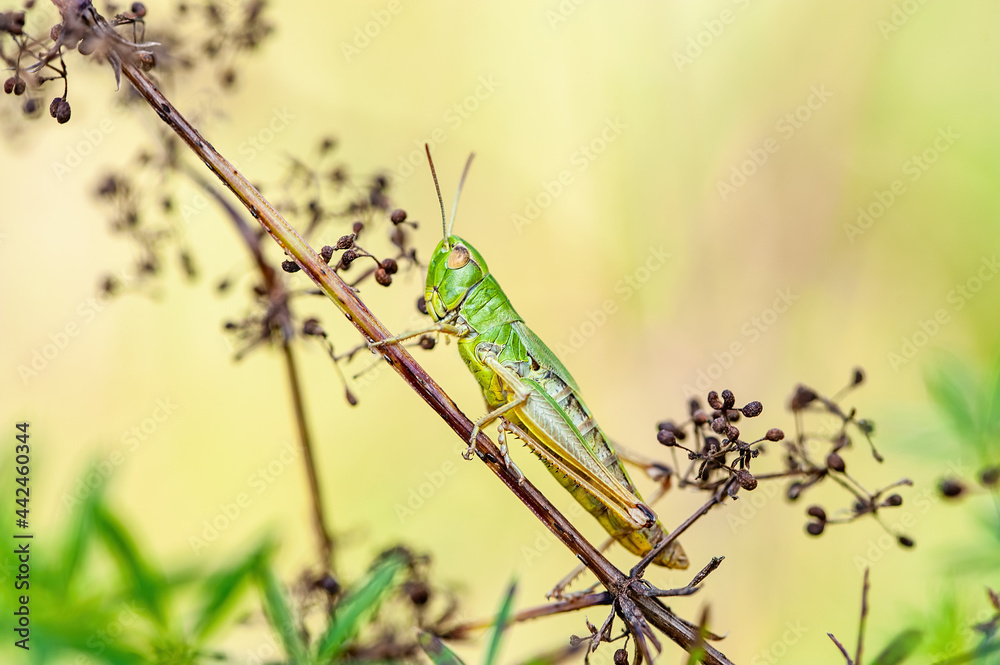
{"type": "Point", "coordinates": [718, 153]}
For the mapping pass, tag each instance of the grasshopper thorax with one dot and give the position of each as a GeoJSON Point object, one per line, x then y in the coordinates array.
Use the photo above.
{"type": "Point", "coordinates": [454, 269]}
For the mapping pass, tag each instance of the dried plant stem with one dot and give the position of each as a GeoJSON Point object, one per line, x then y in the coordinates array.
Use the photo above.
{"type": "Point", "coordinates": [276, 290]}
{"type": "Point", "coordinates": [631, 604]}
{"type": "Point", "coordinates": [305, 442]}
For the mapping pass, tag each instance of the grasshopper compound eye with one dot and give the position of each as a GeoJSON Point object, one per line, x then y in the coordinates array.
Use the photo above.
{"type": "Point", "coordinates": [458, 257]}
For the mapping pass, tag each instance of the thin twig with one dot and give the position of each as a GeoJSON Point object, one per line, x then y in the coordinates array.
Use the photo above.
{"type": "Point", "coordinates": [864, 618]}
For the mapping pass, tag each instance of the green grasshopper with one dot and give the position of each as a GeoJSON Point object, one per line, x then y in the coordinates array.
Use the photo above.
{"type": "Point", "coordinates": [532, 394]}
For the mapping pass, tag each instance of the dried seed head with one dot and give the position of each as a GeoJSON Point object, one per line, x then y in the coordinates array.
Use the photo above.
{"type": "Point", "coordinates": [990, 476]}
{"type": "Point", "coordinates": [719, 425]}
{"type": "Point", "coordinates": [345, 242]}
{"type": "Point", "coordinates": [894, 500]}
{"type": "Point", "coordinates": [906, 541]}
{"type": "Point", "coordinates": [8, 85]}
{"type": "Point", "coordinates": [138, 9]}
{"type": "Point", "coordinates": [290, 266]}
{"type": "Point", "coordinates": [326, 253]}
{"type": "Point", "coordinates": [794, 491]}
{"type": "Point", "coordinates": [714, 400]}
{"type": "Point", "coordinates": [398, 216]}
{"type": "Point", "coordinates": [752, 410]}
{"type": "Point", "coordinates": [817, 512]}
{"type": "Point", "coordinates": [746, 480]}
{"type": "Point", "coordinates": [383, 277]}
{"type": "Point", "coordinates": [732, 433]}
{"type": "Point", "coordinates": [422, 305]}
{"type": "Point", "coordinates": [728, 399]}
{"type": "Point", "coordinates": [951, 488]}
{"type": "Point", "coordinates": [427, 342]}
{"type": "Point", "coordinates": [390, 266]}
{"type": "Point", "coordinates": [357, 228]}
{"type": "Point", "coordinates": [699, 417]}
{"type": "Point", "coordinates": [859, 376]}
{"type": "Point", "coordinates": [312, 328]}
{"type": "Point", "coordinates": [835, 462]}
{"type": "Point", "coordinates": [621, 657]}
{"type": "Point", "coordinates": [666, 437]}
{"type": "Point", "coordinates": [54, 106]}
{"type": "Point", "coordinates": [774, 434]}
{"type": "Point", "coordinates": [20, 86]}
{"type": "Point", "coordinates": [815, 528]}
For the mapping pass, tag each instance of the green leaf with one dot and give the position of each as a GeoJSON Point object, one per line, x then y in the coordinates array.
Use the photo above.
{"type": "Point", "coordinates": [221, 590]}
{"type": "Point", "coordinates": [280, 615]}
{"type": "Point", "coordinates": [949, 384]}
{"type": "Point", "coordinates": [356, 605]}
{"type": "Point", "coordinates": [900, 648]}
{"type": "Point", "coordinates": [437, 651]}
{"type": "Point", "coordinates": [499, 624]}
{"type": "Point", "coordinates": [147, 586]}
{"type": "Point", "coordinates": [83, 529]}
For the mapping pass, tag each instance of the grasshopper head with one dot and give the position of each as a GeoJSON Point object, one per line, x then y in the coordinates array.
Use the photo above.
{"type": "Point", "coordinates": [455, 267]}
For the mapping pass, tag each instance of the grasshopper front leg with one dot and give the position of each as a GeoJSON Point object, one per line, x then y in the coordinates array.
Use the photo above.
{"type": "Point", "coordinates": [456, 330]}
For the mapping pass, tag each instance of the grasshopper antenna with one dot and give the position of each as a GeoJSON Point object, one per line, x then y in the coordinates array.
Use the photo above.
{"type": "Point", "coordinates": [444, 224]}
{"type": "Point", "coordinates": [458, 192]}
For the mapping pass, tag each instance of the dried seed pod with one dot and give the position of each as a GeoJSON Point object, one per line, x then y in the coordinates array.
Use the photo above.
{"type": "Point", "coordinates": [752, 410]}
{"type": "Point", "coordinates": [8, 85]}
{"type": "Point", "coordinates": [906, 541]}
{"type": "Point", "coordinates": [990, 476]}
{"type": "Point", "coordinates": [951, 488]}
{"type": "Point", "coordinates": [774, 434]}
{"type": "Point", "coordinates": [345, 242]}
{"type": "Point", "coordinates": [894, 500]}
{"type": "Point", "coordinates": [398, 216]}
{"type": "Point", "coordinates": [835, 462]}
{"type": "Point", "coordinates": [138, 9]}
{"type": "Point", "coordinates": [859, 376]}
{"type": "Point", "coordinates": [290, 266]}
{"type": "Point", "coordinates": [746, 480]}
{"type": "Point", "coordinates": [390, 266]}
{"type": "Point", "coordinates": [326, 253]}
{"type": "Point", "coordinates": [63, 112]}
{"type": "Point", "coordinates": [815, 528]}
{"type": "Point", "coordinates": [427, 342]}
{"type": "Point", "coordinates": [817, 512]}
{"type": "Point", "coordinates": [732, 433]}
{"type": "Point", "coordinates": [422, 305]}
{"type": "Point", "coordinates": [312, 328]}
{"type": "Point", "coordinates": [666, 437]}
{"type": "Point", "coordinates": [670, 426]}
{"type": "Point", "coordinates": [802, 398]}
{"type": "Point", "coordinates": [794, 491]}
{"type": "Point", "coordinates": [719, 425]}
{"type": "Point", "coordinates": [383, 277]}
{"type": "Point", "coordinates": [621, 657]}
{"type": "Point", "coordinates": [714, 400]}
{"type": "Point", "coordinates": [699, 417]}
{"type": "Point", "coordinates": [20, 86]}
{"type": "Point", "coordinates": [728, 399]}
